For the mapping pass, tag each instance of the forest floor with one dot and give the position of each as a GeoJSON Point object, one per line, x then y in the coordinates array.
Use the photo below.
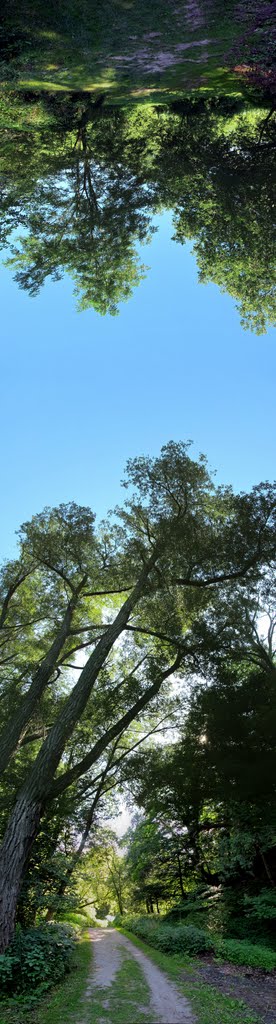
{"type": "Point", "coordinates": [121, 980]}
{"type": "Point", "coordinates": [124, 48]}
{"type": "Point", "coordinates": [253, 986]}
{"type": "Point", "coordinates": [130, 983]}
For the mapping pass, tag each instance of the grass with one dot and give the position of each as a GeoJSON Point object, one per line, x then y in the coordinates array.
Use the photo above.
{"type": "Point", "coordinates": [65, 997]}
{"type": "Point", "coordinates": [92, 45]}
{"type": "Point", "coordinates": [129, 996]}
{"type": "Point", "coordinates": [209, 1006]}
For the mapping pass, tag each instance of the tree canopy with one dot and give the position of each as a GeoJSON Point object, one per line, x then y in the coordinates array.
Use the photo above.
{"type": "Point", "coordinates": [87, 183]}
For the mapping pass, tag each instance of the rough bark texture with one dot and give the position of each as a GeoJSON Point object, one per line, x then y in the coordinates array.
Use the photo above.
{"type": "Point", "coordinates": [24, 822]}
{"type": "Point", "coordinates": [19, 837]}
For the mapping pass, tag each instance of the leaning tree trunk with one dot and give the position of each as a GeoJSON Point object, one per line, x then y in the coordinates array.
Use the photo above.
{"type": "Point", "coordinates": [14, 729]}
{"type": "Point", "coordinates": [24, 822]}
{"type": "Point", "coordinates": [20, 834]}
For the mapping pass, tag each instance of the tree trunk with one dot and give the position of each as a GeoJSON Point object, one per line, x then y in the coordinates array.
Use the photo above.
{"type": "Point", "coordinates": [14, 729]}
{"type": "Point", "coordinates": [24, 822]}
{"type": "Point", "coordinates": [182, 890]}
{"type": "Point", "coordinates": [120, 904]}
{"type": "Point", "coordinates": [266, 866]}
{"type": "Point", "coordinates": [20, 834]}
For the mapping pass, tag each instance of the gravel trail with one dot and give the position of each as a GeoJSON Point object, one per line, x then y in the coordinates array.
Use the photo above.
{"type": "Point", "coordinates": [166, 1004]}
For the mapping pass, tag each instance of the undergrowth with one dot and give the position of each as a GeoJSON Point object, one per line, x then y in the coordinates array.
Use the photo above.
{"type": "Point", "coordinates": [181, 938]}
{"type": "Point", "coordinates": [209, 1006]}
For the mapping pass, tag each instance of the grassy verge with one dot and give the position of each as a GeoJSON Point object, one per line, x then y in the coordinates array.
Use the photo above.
{"type": "Point", "coordinates": [210, 1007]}
{"type": "Point", "coordinates": [62, 1002]}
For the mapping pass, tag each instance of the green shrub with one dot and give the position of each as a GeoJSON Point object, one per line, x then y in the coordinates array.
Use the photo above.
{"type": "Point", "coordinates": [82, 920]}
{"type": "Point", "coordinates": [245, 954]}
{"type": "Point", "coordinates": [36, 959]}
{"type": "Point", "coordinates": [183, 939]}
{"type": "Point", "coordinates": [229, 912]}
{"type": "Point", "coordinates": [263, 906]}
{"type": "Point", "coordinates": [180, 938]}
{"type": "Point", "coordinates": [205, 908]}
{"type": "Point", "coordinates": [118, 921]}
{"type": "Point", "coordinates": [169, 938]}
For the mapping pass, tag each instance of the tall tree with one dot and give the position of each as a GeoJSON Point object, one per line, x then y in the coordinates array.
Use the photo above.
{"type": "Point", "coordinates": [213, 790]}
{"type": "Point", "coordinates": [180, 548]}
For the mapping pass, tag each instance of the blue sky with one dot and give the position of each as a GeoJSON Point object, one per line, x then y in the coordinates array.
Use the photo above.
{"type": "Point", "coordinates": [81, 393]}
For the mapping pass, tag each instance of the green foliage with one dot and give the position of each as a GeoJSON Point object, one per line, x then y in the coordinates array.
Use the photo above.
{"type": "Point", "coordinates": [169, 939]}
{"type": "Point", "coordinates": [36, 959]}
{"type": "Point", "coordinates": [50, 1006]}
{"type": "Point", "coordinates": [187, 939]}
{"type": "Point", "coordinates": [175, 526]}
{"type": "Point", "coordinates": [210, 799]}
{"type": "Point", "coordinates": [263, 906]}
{"type": "Point", "coordinates": [87, 184]}
{"type": "Point", "coordinates": [228, 911]}
{"type": "Point", "coordinates": [76, 46]}
{"type": "Point", "coordinates": [151, 864]}
{"type": "Point", "coordinates": [81, 920]}
{"type": "Point", "coordinates": [200, 908]}
{"type": "Point", "coordinates": [245, 954]}
{"type": "Point", "coordinates": [183, 939]}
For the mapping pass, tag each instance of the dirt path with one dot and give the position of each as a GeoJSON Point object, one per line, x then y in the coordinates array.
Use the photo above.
{"type": "Point", "coordinates": [166, 1005]}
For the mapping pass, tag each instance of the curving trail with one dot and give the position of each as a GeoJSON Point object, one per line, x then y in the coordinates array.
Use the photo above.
{"type": "Point", "coordinates": [110, 948]}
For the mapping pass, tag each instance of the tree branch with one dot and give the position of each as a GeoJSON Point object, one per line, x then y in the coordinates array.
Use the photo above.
{"type": "Point", "coordinates": [64, 781]}
{"type": "Point", "coordinates": [10, 592]}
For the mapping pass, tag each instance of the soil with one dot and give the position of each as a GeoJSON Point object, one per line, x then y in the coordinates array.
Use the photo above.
{"type": "Point", "coordinates": [256, 988]}
{"type": "Point", "coordinates": [149, 59]}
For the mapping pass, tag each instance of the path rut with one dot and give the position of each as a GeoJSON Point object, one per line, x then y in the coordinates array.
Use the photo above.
{"type": "Point", "coordinates": [167, 1006]}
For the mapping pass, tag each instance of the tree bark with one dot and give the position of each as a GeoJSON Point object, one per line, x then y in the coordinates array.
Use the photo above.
{"type": "Point", "coordinates": [18, 841]}
{"type": "Point", "coordinates": [182, 890]}
{"type": "Point", "coordinates": [24, 822]}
